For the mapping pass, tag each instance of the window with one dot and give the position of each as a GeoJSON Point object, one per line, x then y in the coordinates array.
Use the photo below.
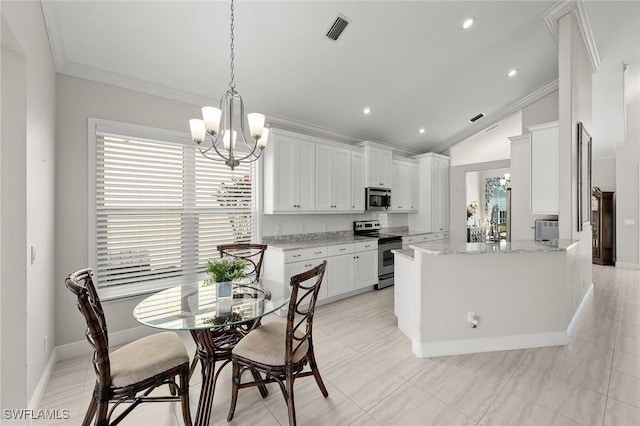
{"type": "Point", "coordinates": [159, 208]}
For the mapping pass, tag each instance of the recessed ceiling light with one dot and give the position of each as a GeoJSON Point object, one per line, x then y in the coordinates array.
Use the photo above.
{"type": "Point", "coordinates": [422, 130]}
{"type": "Point", "coordinates": [512, 73]}
{"type": "Point", "coordinates": [467, 23]}
{"type": "Point", "coordinates": [367, 110]}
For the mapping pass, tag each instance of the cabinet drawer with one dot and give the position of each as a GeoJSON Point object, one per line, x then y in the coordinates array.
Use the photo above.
{"type": "Point", "coordinates": [411, 240]}
{"type": "Point", "coordinates": [427, 237]}
{"type": "Point", "coordinates": [441, 235]}
{"type": "Point", "coordinates": [366, 246]}
{"type": "Point", "coordinates": [305, 254]}
{"type": "Point", "coordinates": [339, 249]}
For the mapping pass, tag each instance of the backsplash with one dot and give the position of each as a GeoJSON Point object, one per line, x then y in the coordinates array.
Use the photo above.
{"type": "Point", "coordinates": [275, 225]}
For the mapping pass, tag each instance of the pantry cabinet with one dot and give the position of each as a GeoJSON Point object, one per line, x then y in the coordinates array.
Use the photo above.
{"type": "Point", "coordinates": [433, 214]}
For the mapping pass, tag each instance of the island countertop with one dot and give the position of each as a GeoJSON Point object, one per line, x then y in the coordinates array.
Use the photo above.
{"type": "Point", "coordinates": [523, 246]}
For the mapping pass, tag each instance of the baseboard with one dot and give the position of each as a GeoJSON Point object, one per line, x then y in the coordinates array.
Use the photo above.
{"type": "Point", "coordinates": [578, 312]}
{"type": "Point", "coordinates": [488, 344]}
{"type": "Point", "coordinates": [627, 265]}
{"type": "Point", "coordinates": [38, 393]}
{"type": "Point", "coordinates": [117, 338]}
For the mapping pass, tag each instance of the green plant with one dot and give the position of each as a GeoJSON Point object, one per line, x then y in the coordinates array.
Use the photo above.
{"type": "Point", "coordinates": [222, 270]}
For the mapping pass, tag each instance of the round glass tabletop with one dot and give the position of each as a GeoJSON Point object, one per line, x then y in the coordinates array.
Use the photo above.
{"type": "Point", "coordinates": [207, 304]}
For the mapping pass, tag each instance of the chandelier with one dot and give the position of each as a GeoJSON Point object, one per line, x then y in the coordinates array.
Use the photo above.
{"type": "Point", "coordinates": [219, 128]}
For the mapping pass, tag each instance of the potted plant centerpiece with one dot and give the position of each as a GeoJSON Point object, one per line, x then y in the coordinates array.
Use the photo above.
{"type": "Point", "coordinates": [223, 272]}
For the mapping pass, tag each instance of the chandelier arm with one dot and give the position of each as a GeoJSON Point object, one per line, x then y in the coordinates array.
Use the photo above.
{"type": "Point", "coordinates": [213, 145]}
{"type": "Point", "coordinates": [204, 154]}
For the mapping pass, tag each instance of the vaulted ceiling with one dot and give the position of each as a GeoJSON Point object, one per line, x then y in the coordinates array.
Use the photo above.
{"type": "Point", "coordinates": [410, 62]}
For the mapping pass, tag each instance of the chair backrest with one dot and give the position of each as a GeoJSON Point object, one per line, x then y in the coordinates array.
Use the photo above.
{"type": "Point", "coordinates": [302, 305]}
{"type": "Point", "coordinates": [251, 253]}
{"type": "Point", "coordinates": [81, 284]}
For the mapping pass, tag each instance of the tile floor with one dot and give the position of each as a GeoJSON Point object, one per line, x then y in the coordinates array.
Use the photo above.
{"type": "Point", "coordinates": [374, 379]}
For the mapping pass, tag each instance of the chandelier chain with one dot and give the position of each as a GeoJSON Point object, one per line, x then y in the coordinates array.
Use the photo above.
{"type": "Point", "coordinates": [232, 84]}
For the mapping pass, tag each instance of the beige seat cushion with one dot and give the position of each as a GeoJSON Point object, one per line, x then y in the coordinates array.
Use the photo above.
{"type": "Point", "coordinates": [266, 345]}
{"type": "Point", "coordinates": [146, 357]}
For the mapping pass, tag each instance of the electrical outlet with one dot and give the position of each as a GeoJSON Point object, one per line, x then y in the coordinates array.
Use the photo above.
{"type": "Point", "coordinates": [33, 255]}
{"type": "Point", "coordinates": [45, 344]}
{"type": "Point", "coordinates": [629, 222]}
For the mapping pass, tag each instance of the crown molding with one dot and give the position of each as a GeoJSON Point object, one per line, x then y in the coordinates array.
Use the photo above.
{"type": "Point", "coordinates": [552, 17]}
{"type": "Point", "coordinates": [498, 116]}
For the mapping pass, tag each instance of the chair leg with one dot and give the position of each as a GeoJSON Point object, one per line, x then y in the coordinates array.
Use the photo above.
{"type": "Point", "coordinates": [262, 388]}
{"type": "Point", "coordinates": [316, 374]}
{"type": "Point", "coordinates": [101, 414]}
{"type": "Point", "coordinates": [235, 381]}
{"type": "Point", "coordinates": [91, 411]}
{"type": "Point", "coordinates": [184, 397]}
{"type": "Point", "coordinates": [291, 406]}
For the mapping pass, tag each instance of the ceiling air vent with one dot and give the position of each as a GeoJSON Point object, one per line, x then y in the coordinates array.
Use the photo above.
{"type": "Point", "coordinates": [476, 118]}
{"type": "Point", "coordinates": [338, 27]}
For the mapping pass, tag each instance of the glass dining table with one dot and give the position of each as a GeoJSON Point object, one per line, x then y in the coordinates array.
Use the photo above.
{"type": "Point", "coordinates": [217, 315]}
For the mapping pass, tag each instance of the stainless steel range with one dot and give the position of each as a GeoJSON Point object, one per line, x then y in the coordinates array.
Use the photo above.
{"type": "Point", "coordinates": [386, 243]}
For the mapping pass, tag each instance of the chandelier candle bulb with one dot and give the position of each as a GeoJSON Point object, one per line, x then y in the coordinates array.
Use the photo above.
{"type": "Point", "coordinates": [211, 116]}
{"type": "Point", "coordinates": [256, 124]}
{"type": "Point", "coordinates": [262, 142]}
{"type": "Point", "coordinates": [197, 130]}
{"type": "Point", "coordinates": [225, 139]}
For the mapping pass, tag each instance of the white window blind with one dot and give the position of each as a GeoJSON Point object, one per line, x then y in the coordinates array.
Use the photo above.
{"type": "Point", "coordinates": [160, 211]}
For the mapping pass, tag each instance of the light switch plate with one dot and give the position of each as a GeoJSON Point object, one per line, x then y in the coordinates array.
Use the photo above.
{"type": "Point", "coordinates": [629, 222]}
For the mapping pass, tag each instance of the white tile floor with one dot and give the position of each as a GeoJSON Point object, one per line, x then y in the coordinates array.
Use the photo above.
{"type": "Point", "coordinates": [374, 379]}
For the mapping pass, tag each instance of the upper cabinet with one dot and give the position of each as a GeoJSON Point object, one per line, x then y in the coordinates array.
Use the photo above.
{"type": "Point", "coordinates": [433, 214]}
{"type": "Point", "coordinates": [333, 179]}
{"type": "Point", "coordinates": [304, 174]}
{"type": "Point", "coordinates": [405, 186]}
{"type": "Point", "coordinates": [378, 165]}
{"type": "Point", "coordinates": [545, 168]}
{"type": "Point", "coordinates": [289, 174]}
{"type": "Point", "coordinates": [357, 181]}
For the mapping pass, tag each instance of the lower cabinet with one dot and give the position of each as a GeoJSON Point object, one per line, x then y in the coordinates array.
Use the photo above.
{"type": "Point", "coordinates": [350, 266]}
{"type": "Point", "coordinates": [296, 268]}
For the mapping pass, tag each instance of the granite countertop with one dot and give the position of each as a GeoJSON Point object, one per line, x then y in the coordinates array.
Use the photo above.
{"type": "Point", "coordinates": [403, 231]}
{"type": "Point", "coordinates": [524, 246]}
{"type": "Point", "coordinates": [302, 241]}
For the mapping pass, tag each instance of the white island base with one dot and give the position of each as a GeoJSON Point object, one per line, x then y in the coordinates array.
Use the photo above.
{"type": "Point", "coordinates": [524, 295]}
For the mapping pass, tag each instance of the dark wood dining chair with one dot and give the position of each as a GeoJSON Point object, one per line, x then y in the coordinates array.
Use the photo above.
{"type": "Point", "coordinates": [251, 253]}
{"type": "Point", "coordinates": [130, 373]}
{"type": "Point", "coordinates": [281, 350]}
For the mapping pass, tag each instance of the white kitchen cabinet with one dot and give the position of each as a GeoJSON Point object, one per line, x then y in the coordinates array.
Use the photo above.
{"type": "Point", "coordinates": [289, 174]}
{"type": "Point", "coordinates": [404, 186]}
{"type": "Point", "coordinates": [545, 168]}
{"type": "Point", "coordinates": [433, 214]}
{"type": "Point", "coordinates": [378, 165]}
{"type": "Point", "coordinates": [366, 268]}
{"type": "Point", "coordinates": [357, 181]}
{"type": "Point", "coordinates": [340, 274]}
{"type": "Point", "coordinates": [296, 268]}
{"type": "Point", "coordinates": [333, 179]}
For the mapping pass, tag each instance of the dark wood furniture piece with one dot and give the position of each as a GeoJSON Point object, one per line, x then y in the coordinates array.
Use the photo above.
{"type": "Point", "coordinates": [251, 253]}
{"type": "Point", "coordinates": [130, 373]}
{"type": "Point", "coordinates": [216, 319]}
{"type": "Point", "coordinates": [281, 350]}
{"type": "Point", "coordinates": [603, 226]}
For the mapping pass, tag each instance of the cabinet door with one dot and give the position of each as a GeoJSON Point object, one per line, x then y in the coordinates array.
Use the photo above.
{"type": "Point", "coordinates": [384, 167]}
{"type": "Point", "coordinates": [284, 159]}
{"type": "Point", "coordinates": [296, 268]}
{"type": "Point", "coordinates": [323, 177]}
{"type": "Point", "coordinates": [414, 183]}
{"type": "Point", "coordinates": [304, 178]}
{"type": "Point", "coordinates": [366, 268]}
{"type": "Point", "coordinates": [341, 179]}
{"type": "Point", "coordinates": [357, 181]}
{"type": "Point", "coordinates": [545, 169]}
{"type": "Point", "coordinates": [339, 274]}
{"type": "Point", "coordinates": [440, 195]}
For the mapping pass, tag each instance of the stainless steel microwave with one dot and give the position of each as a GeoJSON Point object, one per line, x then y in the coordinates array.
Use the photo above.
{"type": "Point", "coordinates": [377, 198]}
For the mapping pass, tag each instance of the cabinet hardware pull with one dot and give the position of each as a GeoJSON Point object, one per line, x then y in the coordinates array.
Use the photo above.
{"type": "Point", "coordinates": [296, 255]}
{"type": "Point", "coordinates": [317, 252]}
{"type": "Point", "coordinates": [342, 249]}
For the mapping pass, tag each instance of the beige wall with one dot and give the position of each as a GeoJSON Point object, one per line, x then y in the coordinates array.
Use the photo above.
{"type": "Point", "coordinates": [78, 100]}
{"type": "Point", "coordinates": [574, 106]}
{"type": "Point", "coordinates": [27, 194]}
{"type": "Point", "coordinates": [541, 111]}
{"type": "Point", "coordinates": [627, 192]}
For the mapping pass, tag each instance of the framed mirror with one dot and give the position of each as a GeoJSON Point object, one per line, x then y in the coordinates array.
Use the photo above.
{"type": "Point", "coordinates": [584, 177]}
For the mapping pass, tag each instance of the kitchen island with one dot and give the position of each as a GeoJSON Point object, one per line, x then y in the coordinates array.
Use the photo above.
{"type": "Point", "coordinates": [479, 297]}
